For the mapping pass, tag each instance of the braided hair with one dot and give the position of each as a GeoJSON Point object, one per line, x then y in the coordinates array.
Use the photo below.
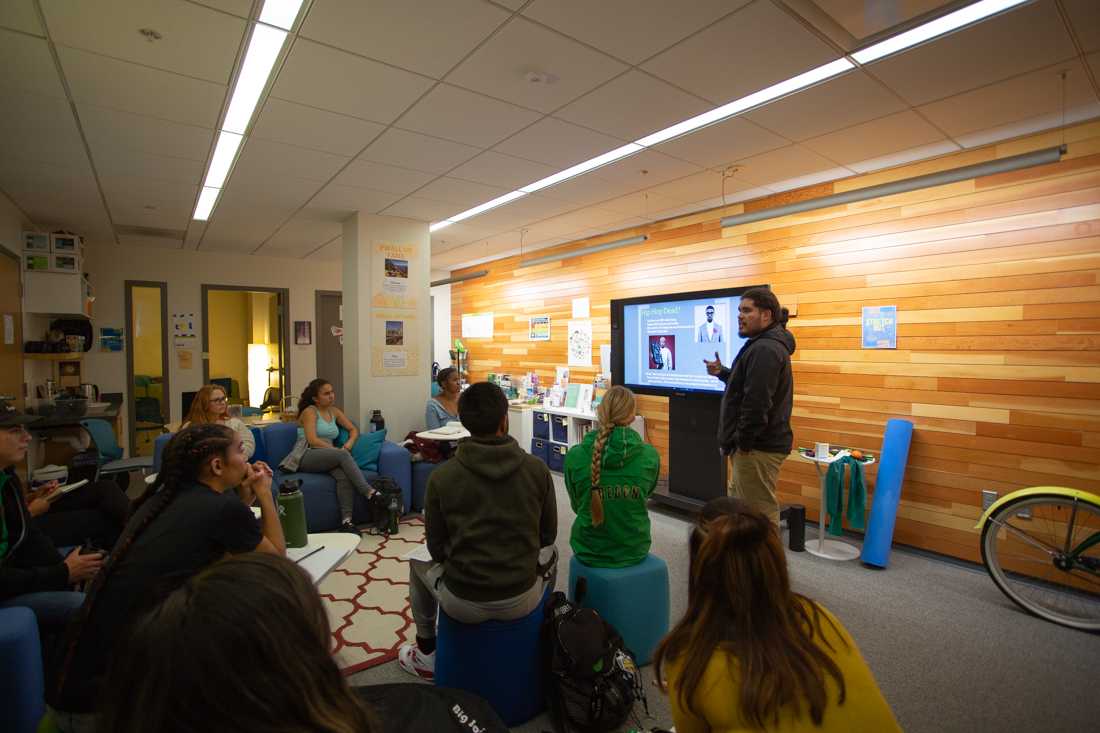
{"type": "Point", "coordinates": [616, 409]}
{"type": "Point", "coordinates": [185, 456]}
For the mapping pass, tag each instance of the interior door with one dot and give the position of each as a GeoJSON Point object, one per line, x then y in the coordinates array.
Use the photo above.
{"type": "Point", "coordinates": [330, 347]}
{"type": "Point", "coordinates": [11, 329]}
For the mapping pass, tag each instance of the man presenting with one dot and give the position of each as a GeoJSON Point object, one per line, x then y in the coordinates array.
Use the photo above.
{"type": "Point", "coordinates": [710, 332]}
{"type": "Point", "coordinates": [754, 424]}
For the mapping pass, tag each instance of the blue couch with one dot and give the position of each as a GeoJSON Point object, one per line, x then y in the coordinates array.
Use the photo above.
{"type": "Point", "coordinates": [274, 442]}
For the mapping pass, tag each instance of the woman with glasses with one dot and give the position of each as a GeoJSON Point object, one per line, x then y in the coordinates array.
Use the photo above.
{"type": "Point", "coordinates": [212, 406]}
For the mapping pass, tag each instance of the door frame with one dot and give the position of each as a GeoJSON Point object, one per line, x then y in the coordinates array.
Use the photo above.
{"type": "Point", "coordinates": [284, 332]}
{"type": "Point", "coordinates": [131, 410]}
{"type": "Point", "coordinates": [318, 294]}
{"type": "Point", "coordinates": [21, 394]}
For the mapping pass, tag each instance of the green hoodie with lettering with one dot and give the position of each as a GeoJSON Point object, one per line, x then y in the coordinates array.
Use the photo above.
{"type": "Point", "coordinates": [628, 475]}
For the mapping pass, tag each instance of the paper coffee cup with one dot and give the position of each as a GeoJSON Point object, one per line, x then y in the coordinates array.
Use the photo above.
{"type": "Point", "coordinates": [821, 450]}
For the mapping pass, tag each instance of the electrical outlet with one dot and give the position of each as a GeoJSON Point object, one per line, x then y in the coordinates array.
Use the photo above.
{"type": "Point", "coordinates": [989, 496]}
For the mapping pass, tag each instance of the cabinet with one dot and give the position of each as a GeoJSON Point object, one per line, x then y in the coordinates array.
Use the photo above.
{"type": "Point", "coordinates": [564, 428]}
{"type": "Point", "coordinates": [57, 293]}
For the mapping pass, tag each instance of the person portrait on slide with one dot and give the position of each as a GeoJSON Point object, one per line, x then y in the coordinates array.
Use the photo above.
{"type": "Point", "coordinates": [709, 331]}
{"type": "Point", "coordinates": [661, 352]}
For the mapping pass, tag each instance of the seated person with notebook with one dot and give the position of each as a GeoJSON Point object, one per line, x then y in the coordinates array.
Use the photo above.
{"type": "Point", "coordinates": [490, 519]}
{"type": "Point", "coordinates": [88, 513]}
{"type": "Point", "coordinates": [189, 518]}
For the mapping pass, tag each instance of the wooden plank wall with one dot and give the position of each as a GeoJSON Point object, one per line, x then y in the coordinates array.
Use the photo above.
{"type": "Point", "coordinates": [997, 284]}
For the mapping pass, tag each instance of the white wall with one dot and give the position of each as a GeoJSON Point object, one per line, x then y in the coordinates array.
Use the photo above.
{"type": "Point", "coordinates": [185, 271]}
{"type": "Point", "coordinates": [441, 320]}
{"type": "Point", "coordinates": [11, 226]}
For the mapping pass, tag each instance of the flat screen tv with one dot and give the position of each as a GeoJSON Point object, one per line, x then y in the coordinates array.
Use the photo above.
{"type": "Point", "coordinates": [658, 343]}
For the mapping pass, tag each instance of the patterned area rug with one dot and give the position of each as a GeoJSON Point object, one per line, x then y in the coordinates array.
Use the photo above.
{"type": "Point", "coordinates": [367, 599]}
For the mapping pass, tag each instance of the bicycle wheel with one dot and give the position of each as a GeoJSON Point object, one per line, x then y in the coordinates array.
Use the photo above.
{"type": "Point", "coordinates": [1025, 547]}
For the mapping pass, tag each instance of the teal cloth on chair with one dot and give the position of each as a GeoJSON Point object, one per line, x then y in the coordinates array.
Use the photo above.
{"type": "Point", "coordinates": [834, 495]}
{"type": "Point", "coordinates": [367, 448]}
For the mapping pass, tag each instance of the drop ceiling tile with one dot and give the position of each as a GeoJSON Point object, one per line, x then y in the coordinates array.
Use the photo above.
{"type": "Point", "coordinates": [558, 144]}
{"type": "Point", "coordinates": [308, 127]}
{"type": "Point", "coordinates": [506, 171]}
{"type": "Point", "coordinates": [349, 199]}
{"type": "Point", "coordinates": [778, 166]}
{"type": "Point", "coordinates": [40, 128]}
{"type": "Point", "coordinates": [833, 105]}
{"type": "Point", "coordinates": [235, 227]}
{"type": "Point", "coordinates": [20, 15]}
{"type": "Point", "coordinates": [141, 242]}
{"type": "Point", "coordinates": [300, 236]}
{"type": "Point", "coordinates": [462, 233]}
{"type": "Point", "coordinates": [902, 157]}
{"type": "Point", "coordinates": [722, 143]}
{"type": "Point", "coordinates": [128, 87]}
{"type": "Point", "coordinates": [135, 163]}
{"type": "Point", "coordinates": [109, 129]}
{"type": "Point", "coordinates": [876, 138]}
{"type": "Point", "coordinates": [499, 67]}
{"type": "Point", "coordinates": [1030, 125]}
{"type": "Point", "coordinates": [632, 106]}
{"type": "Point", "coordinates": [139, 193]}
{"type": "Point", "coordinates": [695, 187]}
{"type": "Point", "coordinates": [522, 212]}
{"type": "Point", "coordinates": [632, 30]}
{"type": "Point", "coordinates": [331, 252]}
{"type": "Point", "coordinates": [1023, 97]}
{"type": "Point", "coordinates": [456, 114]}
{"type": "Point", "coordinates": [421, 209]}
{"type": "Point", "coordinates": [240, 8]}
{"type": "Point", "coordinates": [428, 36]}
{"type": "Point", "coordinates": [282, 191]}
{"type": "Point", "coordinates": [467, 194]}
{"type": "Point", "coordinates": [586, 190]}
{"type": "Point", "coordinates": [419, 152]}
{"type": "Point", "coordinates": [1026, 38]}
{"type": "Point", "coordinates": [1084, 16]}
{"type": "Point", "coordinates": [110, 27]}
{"type": "Point", "coordinates": [264, 160]}
{"type": "Point", "coordinates": [645, 169]}
{"type": "Point", "coordinates": [72, 177]}
{"type": "Point", "coordinates": [388, 178]}
{"type": "Point", "coordinates": [642, 204]}
{"type": "Point", "coordinates": [755, 47]}
{"type": "Point", "coordinates": [26, 64]}
{"type": "Point", "coordinates": [318, 76]}
{"type": "Point", "coordinates": [164, 216]}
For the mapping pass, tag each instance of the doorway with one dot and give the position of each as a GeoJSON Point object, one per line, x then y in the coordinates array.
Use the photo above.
{"type": "Point", "coordinates": [146, 362]}
{"type": "Point", "coordinates": [330, 340]}
{"type": "Point", "coordinates": [11, 313]}
{"type": "Point", "coordinates": [245, 332]}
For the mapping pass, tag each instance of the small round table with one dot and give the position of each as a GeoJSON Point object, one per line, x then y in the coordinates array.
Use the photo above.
{"type": "Point", "coordinates": [831, 549]}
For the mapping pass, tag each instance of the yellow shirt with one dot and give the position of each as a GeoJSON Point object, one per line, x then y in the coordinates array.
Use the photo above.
{"type": "Point", "coordinates": [716, 700]}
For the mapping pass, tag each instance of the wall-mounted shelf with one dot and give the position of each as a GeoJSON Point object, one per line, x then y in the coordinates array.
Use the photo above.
{"type": "Point", "coordinates": [55, 357]}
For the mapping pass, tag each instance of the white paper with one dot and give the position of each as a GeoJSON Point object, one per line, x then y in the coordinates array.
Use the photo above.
{"type": "Point", "coordinates": [605, 361]}
{"type": "Point", "coordinates": [394, 359]}
{"type": "Point", "coordinates": [580, 343]}
{"type": "Point", "coordinates": [9, 329]}
{"type": "Point", "coordinates": [580, 307]}
{"type": "Point", "coordinates": [477, 325]}
{"type": "Point", "coordinates": [319, 564]}
{"type": "Point", "coordinates": [419, 553]}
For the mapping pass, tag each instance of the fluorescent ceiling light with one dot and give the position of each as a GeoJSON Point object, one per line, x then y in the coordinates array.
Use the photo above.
{"type": "Point", "coordinates": [931, 29]}
{"type": "Point", "coordinates": [207, 199]}
{"type": "Point", "coordinates": [224, 153]}
{"type": "Point", "coordinates": [783, 88]}
{"type": "Point", "coordinates": [439, 225]}
{"type": "Point", "coordinates": [482, 208]}
{"type": "Point", "coordinates": [263, 49]}
{"type": "Point", "coordinates": [579, 168]}
{"type": "Point", "coordinates": [280, 13]}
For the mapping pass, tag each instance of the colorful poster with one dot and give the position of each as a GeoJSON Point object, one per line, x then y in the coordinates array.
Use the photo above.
{"type": "Point", "coordinates": [303, 333]}
{"type": "Point", "coordinates": [580, 343]}
{"type": "Point", "coordinates": [538, 328]}
{"type": "Point", "coordinates": [394, 343]}
{"type": "Point", "coordinates": [880, 327]}
{"type": "Point", "coordinates": [110, 339]}
{"type": "Point", "coordinates": [392, 269]}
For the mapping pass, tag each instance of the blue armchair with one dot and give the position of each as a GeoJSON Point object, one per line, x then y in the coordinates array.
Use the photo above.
{"type": "Point", "coordinates": [22, 696]}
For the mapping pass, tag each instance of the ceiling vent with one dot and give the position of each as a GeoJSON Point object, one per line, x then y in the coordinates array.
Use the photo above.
{"type": "Point", "coordinates": [127, 230]}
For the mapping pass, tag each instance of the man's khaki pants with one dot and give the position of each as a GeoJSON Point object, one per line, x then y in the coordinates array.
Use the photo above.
{"type": "Point", "coordinates": [753, 478]}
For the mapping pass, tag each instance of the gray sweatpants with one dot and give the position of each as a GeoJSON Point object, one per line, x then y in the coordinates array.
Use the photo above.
{"type": "Point", "coordinates": [428, 591]}
{"type": "Point", "coordinates": [339, 464]}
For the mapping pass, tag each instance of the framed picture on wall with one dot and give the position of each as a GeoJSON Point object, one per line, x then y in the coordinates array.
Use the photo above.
{"type": "Point", "coordinates": [303, 333]}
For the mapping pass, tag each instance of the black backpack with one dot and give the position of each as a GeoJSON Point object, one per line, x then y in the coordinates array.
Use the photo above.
{"type": "Point", "coordinates": [592, 679]}
{"type": "Point", "coordinates": [386, 507]}
{"type": "Point", "coordinates": [411, 708]}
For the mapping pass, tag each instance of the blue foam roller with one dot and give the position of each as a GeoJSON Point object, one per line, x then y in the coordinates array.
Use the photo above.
{"type": "Point", "coordinates": [884, 505]}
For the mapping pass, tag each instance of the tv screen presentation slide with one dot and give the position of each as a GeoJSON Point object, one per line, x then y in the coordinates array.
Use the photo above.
{"type": "Point", "coordinates": [664, 344]}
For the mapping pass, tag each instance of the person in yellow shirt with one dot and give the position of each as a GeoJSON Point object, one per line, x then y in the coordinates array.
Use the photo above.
{"type": "Point", "coordinates": [749, 654]}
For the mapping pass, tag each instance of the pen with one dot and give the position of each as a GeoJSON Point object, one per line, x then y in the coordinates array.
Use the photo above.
{"type": "Point", "coordinates": [311, 553]}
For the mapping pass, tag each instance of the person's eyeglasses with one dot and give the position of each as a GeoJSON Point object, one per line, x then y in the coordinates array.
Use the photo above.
{"type": "Point", "coordinates": [218, 400]}
{"type": "Point", "coordinates": [18, 430]}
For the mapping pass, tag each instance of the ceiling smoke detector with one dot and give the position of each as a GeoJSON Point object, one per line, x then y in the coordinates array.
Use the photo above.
{"type": "Point", "coordinates": [540, 77]}
{"type": "Point", "coordinates": [150, 34]}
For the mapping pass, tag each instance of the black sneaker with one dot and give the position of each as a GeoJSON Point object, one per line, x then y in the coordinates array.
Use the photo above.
{"type": "Point", "coordinates": [347, 526]}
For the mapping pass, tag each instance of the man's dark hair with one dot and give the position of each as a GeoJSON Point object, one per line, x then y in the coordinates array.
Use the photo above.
{"type": "Point", "coordinates": [765, 299]}
{"type": "Point", "coordinates": [481, 408]}
{"type": "Point", "coordinates": [711, 307]}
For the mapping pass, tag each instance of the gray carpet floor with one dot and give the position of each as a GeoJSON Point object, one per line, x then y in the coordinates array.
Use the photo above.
{"type": "Point", "coordinates": [950, 652]}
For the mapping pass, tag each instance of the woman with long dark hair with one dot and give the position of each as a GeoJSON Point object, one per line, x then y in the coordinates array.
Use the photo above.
{"type": "Point", "coordinates": [610, 475]}
{"type": "Point", "coordinates": [211, 405]}
{"type": "Point", "coordinates": [443, 408]}
{"type": "Point", "coordinates": [750, 654]}
{"type": "Point", "coordinates": [319, 423]}
{"type": "Point", "coordinates": [241, 646]}
{"type": "Point", "coordinates": [186, 520]}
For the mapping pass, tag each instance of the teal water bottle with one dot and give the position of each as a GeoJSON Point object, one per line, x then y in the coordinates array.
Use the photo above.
{"type": "Point", "coordinates": [292, 513]}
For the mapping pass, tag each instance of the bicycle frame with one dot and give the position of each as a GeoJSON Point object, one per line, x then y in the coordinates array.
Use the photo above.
{"type": "Point", "coordinates": [1075, 494]}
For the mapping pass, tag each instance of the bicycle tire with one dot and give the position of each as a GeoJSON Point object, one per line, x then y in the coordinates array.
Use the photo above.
{"type": "Point", "coordinates": [1044, 591]}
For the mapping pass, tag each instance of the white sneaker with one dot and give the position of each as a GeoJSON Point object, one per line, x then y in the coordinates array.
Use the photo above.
{"type": "Point", "coordinates": [416, 662]}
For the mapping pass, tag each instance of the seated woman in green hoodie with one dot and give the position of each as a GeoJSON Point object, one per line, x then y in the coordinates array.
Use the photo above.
{"type": "Point", "coordinates": [610, 475]}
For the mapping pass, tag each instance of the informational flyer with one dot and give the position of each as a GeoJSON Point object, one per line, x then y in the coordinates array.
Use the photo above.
{"type": "Point", "coordinates": [580, 343]}
{"type": "Point", "coordinates": [477, 325]}
{"type": "Point", "coordinates": [391, 267]}
{"type": "Point", "coordinates": [880, 326]}
{"type": "Point", "coordinates": [538, 328]}
{"type": "Point", "coordinates": [394, 349]}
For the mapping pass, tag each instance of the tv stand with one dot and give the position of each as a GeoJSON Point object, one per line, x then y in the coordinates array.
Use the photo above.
{"type": "Point", "coordinates": [696, 470]}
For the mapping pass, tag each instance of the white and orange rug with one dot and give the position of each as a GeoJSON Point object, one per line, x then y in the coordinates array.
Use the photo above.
{"type": "Point", "coordinates": [367, 599]}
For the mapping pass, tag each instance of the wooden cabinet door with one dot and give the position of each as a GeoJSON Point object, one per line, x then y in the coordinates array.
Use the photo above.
{"type": "Point", "coordinates": [11, 328]}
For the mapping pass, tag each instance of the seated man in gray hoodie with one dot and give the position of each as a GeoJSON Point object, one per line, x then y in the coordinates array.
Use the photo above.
{"type": "Point", "coordinates": [491, 521]}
